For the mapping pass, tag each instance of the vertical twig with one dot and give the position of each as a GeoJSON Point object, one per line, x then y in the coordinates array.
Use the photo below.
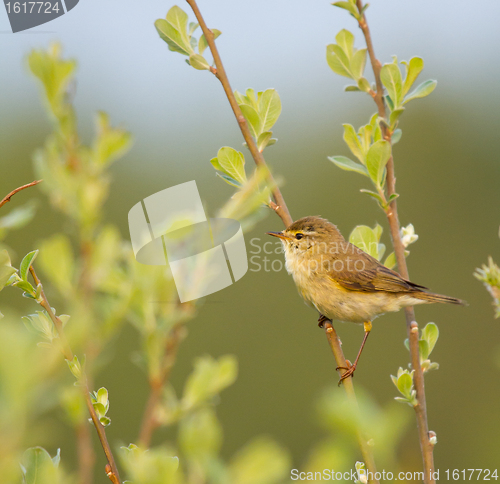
{"type": "Point", "coordinates": [392, 217]}
{"type": "Point", "coordinates": [280, 206]}
{"type": "Point", "coordinates": [113, 475]}
{"type": "Point", "coordinates": [336, 347]}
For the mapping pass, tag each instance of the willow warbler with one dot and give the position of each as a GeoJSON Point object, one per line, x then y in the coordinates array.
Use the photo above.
{"type": "Point", "coordinates": [344, 283]}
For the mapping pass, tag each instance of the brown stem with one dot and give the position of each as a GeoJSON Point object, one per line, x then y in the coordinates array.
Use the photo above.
{"type": "Point", "coordinates": [149, 420]}
{"type": "Point", "coordinates": [392, 217]}
{"type": "Point", "coordinates": [336, 347]}
{"type": "Point", "coordinates": [220, 73]}
{"type": "Point", "coordinates": [279, 205]}
{"type": "Point", "coordinates": [68, 354]}
{"type": "Point", "coordinates": [13, 192]}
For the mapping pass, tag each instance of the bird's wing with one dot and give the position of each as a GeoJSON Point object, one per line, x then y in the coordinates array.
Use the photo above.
{"type": "Point", "coordinates": [354, 269]}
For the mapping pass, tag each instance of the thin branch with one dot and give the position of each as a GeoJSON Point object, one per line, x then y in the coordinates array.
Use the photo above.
{"type": "Point", "coordinates": [149, 420]}
{"type": "Point", "coordinates": [279, 207]}
{"type": "Point", "coordinates": [68, 354]}
{"type": "Point", "coordinates": [392, 217]}
{"type": "Point", "coordinates": [220, 73]}
{"type": "Point", "coordinates": [336, 347]}
{"type": "Point", "coordinates": [13, 192]}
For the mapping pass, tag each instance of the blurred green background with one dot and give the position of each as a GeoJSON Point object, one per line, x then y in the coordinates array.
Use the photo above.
{"type": "Point", "coordinates": [448, 176]}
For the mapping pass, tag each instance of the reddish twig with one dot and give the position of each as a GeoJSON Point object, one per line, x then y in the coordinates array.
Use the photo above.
{"type": "Point", "coordinates": [279, 205]}
{"type": "Point", "coordinates": [220, 73]}
{"type": "Point", "coordinates": [392, 216]}
{"type": "Point", "coordinates": [68, 354]}
{"type": "Point", "coordinates": [13, 192]}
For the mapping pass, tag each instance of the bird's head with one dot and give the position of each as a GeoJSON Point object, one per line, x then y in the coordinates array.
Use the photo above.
{"type": "Point", "coordinates": [312, 235]}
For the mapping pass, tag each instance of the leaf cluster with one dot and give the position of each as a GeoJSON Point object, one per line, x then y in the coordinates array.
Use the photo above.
{"type": "Point", "coordinates": [178, 35]}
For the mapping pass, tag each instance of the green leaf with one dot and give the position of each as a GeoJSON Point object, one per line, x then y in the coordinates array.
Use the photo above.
{"type": "Point", "coordinates": [390, 75]}
{"type": "Point", "coordinates": [200, 434]}
{"type": "Point", "coordinates": [6, 270]}
{"type": "Point", "coordinates": [39, 468]}
{"type": "Point", "coordinates": [178, 19]}
{"type": "Point", "coordinates": [389, 102]}
{"type": "Point", "coordinates": [17, 218]}
{"type": "Point", "coordinates": [374, 195]}
{"type": "Point", "coordinates": [261, 461]}
{"type": "Point", "coordinates": [251, 98]}
{"type": "Point", "coordinates": [421, 91]}
{"type": "Point", "coordinates": [58, 263]}
{"type": "Point", "coordinates": [405, 383]}
{"type": "Point", "coordinates": [345, 40]}
{"type": "Point", "coordinates": [176, 41]}
{"type": "Point", "coordinates": [26, 264]}
{"type": "Point", "coordinates": [365, 238]}
{"type": "Point", "coordinates": [215, 164]}
{"type": "Point", "coordinates": [394, 117]}
{"type": "Point", "coordinates": [103, 396]}
{"type": "Point", "coordinates": [269, 109]}
{"type": "Point", "coordinates": [232, 163]}
{"type": "Point", "coordinates": [75, 367]}
{"type": "Point", "coordinates": [192, 27]}
{"type": "Point", "coordinates": [229, 180]}
{"type": "Point", "coordinates": [413, 69]}
{"type": "Point", "coordinates": [396, 136]}
{"type": "Point", "coordinates": [358, 62]}
{"type": "Point", "coordinates": [253, 119]}
{"type": "Point", "coordinates": [390, 261]}
{"type": "Point", "coordinates": [423, 349]}
{"type": "Point", "coordinates": [352, 88]}
{"type": "Point", "coordinates": [348, 165]}
{"type": "Point", "coordinates": [264, 140]}
{"type": "Point", "coordinates": [149, 466]}
{"type": "Point", "coordinates": [105, 421]}
{"type": "Point", "coordinates": [54, 73]}
{"type": "Point", "coordinates": [430, 334]}
{"type": "Point", "coordinates": [198, 62]}
{"type": "Point", "coordinates": [111, 143]}
{"type": "Point", "coordinates": [338, 61]}
{"type": "Point", "coordinates": [25, 286]}
{"type": "Point", "coordinates": [209, 377]}
{"type": "Point", "coordinates": [350, 7]}
{"type": "Point", "coordinates": [365, 137]}
{"type": "Point", "coordinates": [377, 157]}
{"type": "Point", "coordinates": [392, 197]}
{"type": "Point", "coordinates": [364, 85]}
{"type": "Point", "coordinates": [203, 44]}
{"type": "Point", "coordinates": [352, 141]}
{"type": "Point", "coordinates": [41, 323]}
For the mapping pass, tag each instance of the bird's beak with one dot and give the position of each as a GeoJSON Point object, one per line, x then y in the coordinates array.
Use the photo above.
{"type": "Point", "coordinates": [278, 234]}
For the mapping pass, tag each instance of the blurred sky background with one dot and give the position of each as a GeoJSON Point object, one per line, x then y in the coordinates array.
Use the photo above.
{"type": "Point", "coordinates": [448, 175]}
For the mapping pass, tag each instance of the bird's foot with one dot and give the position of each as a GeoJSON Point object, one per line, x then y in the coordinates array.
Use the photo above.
{"type": "Point", "coordinates": [349, 371]}
{"type": "Point", "coordinates": [322, 320]}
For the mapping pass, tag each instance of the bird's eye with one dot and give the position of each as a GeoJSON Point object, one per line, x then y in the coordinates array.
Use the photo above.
{"type": "Point", "coordinates": [299, 236]}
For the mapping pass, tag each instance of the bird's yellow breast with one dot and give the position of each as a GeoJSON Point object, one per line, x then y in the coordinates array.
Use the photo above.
{"type": "Point", "coordinates": [335, 301]}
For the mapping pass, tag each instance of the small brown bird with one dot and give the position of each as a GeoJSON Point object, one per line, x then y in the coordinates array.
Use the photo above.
{"type": "Point", "coordinates": [344, 283]}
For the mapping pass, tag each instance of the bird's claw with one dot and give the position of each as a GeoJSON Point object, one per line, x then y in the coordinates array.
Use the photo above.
{"type": "Point", "coordinates": [349, 371]}
{"type": "Point", "coordinates": [322, 320]}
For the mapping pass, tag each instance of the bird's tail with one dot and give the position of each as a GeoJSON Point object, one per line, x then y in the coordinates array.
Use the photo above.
{"type": "Point", "coordinates": [439, 298]}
